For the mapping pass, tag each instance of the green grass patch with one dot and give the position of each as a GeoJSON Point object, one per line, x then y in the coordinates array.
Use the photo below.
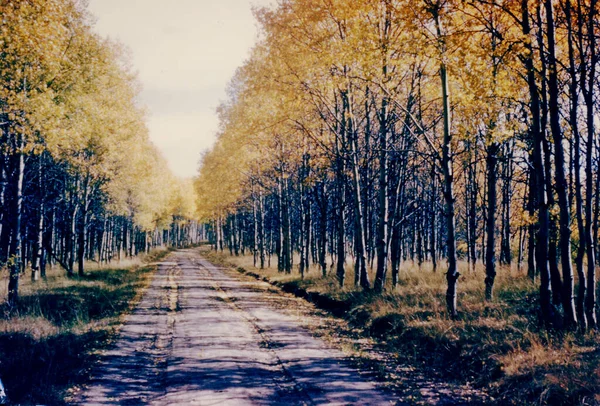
{"type": "Point", "coordinates": [50, 340]}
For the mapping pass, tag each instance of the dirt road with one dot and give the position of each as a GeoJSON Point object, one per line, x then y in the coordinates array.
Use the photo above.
{"type": "Point", "coordinates": [202, 336]}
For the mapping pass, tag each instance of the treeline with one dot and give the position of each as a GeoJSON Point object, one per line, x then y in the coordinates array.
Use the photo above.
{"type": "Point", "coordinates": [79, 179]}
{"type": "Point", "coordinates": [395, 130]}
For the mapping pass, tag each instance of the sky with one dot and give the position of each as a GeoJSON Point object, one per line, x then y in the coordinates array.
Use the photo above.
{"type": "Point", "coordinates": [185, 52]}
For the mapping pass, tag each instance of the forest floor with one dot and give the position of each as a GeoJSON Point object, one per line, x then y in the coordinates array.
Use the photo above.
{"type": "Point", "coordinates": [49, 341]}
{"type": "Point", "coordinates": [235, 334]}
{"type": "Point", "coordinates": [494, 353]}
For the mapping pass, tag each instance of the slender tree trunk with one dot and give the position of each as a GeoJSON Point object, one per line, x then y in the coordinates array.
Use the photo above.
{"type": "Point", "coordinates": [83, 229]}
{"type": "Point", "coordinates": [591, 299]}
{"type": "Point", "coordinates": [3, 200]}
{"type": "Point", "coordinates": [16, 244]}
{"type": "Point", "coordinates": [287, 236]}
{"type": "Point", "coordinates": [396, 255]}
{"type": "Point", "coordinates": [341, 221]}
{"type": "Point", "coordinates": [261, 234]}
{"type": "Point", "coordinates": [521, 248]}
{"type": "Point", "coordinates": [555, 278]}
{"type": "Point", "coordinates": [323, 229]}
{"type": "Point", "coordinates": [568, 296]}
{"type": "Point", "coordinates": [302, 238]}
{"type": "Point", "coordinates": [220, 232]}
{"type": "Point", "coordinates": [361, 275]}
{"type": "Point", "coordinates": [471, 209]}
{"type": "Point", "coordinates": [235, 241]}
{"type": "Point", "coordinates": [71, 240]}
{"type": "Point", "coordinates": [490, 254]}
{"type": "Point", "coordinates": [383, 240]}
{"type": "Point", "coordinates": [540, 181]}
{"type": "Point", "coordinates": [505, 246]}
{"type": "Point", "coordinates": [307, 242]}
{"type": "Point", "coordinates": [433, 211]}
{"type": "Point", "coordinates": [531, 229]}
{"type": "Point", "coordinates": [452, 274]}
{"type": "Point", "coordinates": [255, 230]}
{"type": "Point", "coordinates": [419, 232]}
{"type": "Point", "coordinates": [580, 305]}
{"type": "Point", "coordinates": [39, 243]}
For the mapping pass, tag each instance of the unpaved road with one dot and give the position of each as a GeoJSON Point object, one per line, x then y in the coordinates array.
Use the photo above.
{"type": "Point", "coordinates": [202, 336]}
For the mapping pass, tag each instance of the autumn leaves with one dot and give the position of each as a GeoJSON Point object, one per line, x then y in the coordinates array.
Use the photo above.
{"type": "Point", "coordinates": [394, 129]}
{"type": "Point", "coordinates": [75, 149]}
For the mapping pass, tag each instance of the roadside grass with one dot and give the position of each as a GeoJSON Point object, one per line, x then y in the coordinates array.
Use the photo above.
{"type": "Point", "coordinates": [49, 341]}
{"type": "Point", "coordinates": [497, 346]}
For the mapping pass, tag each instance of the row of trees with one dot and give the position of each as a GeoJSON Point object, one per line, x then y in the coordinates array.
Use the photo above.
{"type": "Point", "coordinates": [428, 129]}
{"type": "Point", "coordinates": [79, 178]}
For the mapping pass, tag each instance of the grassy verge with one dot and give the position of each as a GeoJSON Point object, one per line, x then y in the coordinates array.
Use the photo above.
{"type": "Point", "coordinates": [497, 346]}
{"type": "Point", "coordinates": [50, 340]}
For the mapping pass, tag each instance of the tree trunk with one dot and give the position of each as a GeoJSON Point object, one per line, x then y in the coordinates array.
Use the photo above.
{"type": "Point", "coordinates": [589, 94]}
{"type": "Point", "coordinates": [83, 228]}
{"type": "Point", "coordinates": [490, 254]}
{"type": "Point", "coordinates": [255, 230]}
{"type": "Point", "coordinates": [287, 232]}
{"type": "Point", "coordinates": [471, 196]}
{"type": "Point", "coordinates": [71, 240]}
{"type": "Point", "coordinates": [573, 113]}
{"type": "Point", "coordinates": [307, 228]}
{"type": "Point", "coordinates": [4, 226]}
{"type": "Point", "coordinates": [341, 223]}
{"type": "Point", "coordinates": [323, 229]}
{"type": "Point", "coordinates": [39, 243]}
{"type": "Point", "coordinates": [452, 274]}
{"type": "Point", "coordinates": [16, 244]}
{"type": "Point", "coordinates": [433, 212]}
{"type": "Point", "coordinates": [540, 181]}
{"type": "Point", "coordinates": [361, 275]}
{"type": "Point", "coordinates": [570, 318]}
{"type": "Point", "coordinates": [261, 234]}
{"type": "Point", "coordinates": [383, 240]}
{"type": "Point", "coordinates": [505, 246]}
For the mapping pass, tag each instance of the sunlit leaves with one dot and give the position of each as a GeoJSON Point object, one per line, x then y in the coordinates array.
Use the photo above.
{"type": "Point", "coordinates": [69, 92]}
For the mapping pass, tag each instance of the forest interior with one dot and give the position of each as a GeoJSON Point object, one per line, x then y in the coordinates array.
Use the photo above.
{"type": "Point", "coordinates": [428, 171]}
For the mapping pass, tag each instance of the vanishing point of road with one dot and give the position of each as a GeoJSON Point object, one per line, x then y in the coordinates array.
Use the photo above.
{"type": "Point", "coordinates": [202, 335]}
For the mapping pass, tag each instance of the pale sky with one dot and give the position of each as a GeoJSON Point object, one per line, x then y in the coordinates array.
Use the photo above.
{"type": "Point", "coordinates": [185, 53]}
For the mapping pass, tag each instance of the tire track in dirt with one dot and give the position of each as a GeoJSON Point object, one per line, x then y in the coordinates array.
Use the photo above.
{"type": "Point", "coordinates": [202, 336]}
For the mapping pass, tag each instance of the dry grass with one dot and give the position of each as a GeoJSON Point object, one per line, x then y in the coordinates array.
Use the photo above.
{"type": "Point", "coordinates": [47, 342]}
{"type": "Point", "coordinates": [499, 346]}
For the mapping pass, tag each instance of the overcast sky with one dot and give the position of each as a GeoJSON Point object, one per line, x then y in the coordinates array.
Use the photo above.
{"type": "Point", "coordinates": [185, 52]}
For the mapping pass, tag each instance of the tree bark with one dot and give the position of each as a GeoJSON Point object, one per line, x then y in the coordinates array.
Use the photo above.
{"type": "Point", "coordinates": [341, 227]}
{"type": "Point", "coordinates": [505, 245]}
{"type": "Point", "coordinates": [537, 136]}
{"type": "Point", "coordinates": [452, 274]}
{"type": "Point", "coordinates": [570, 318]}
{"type": "Point", "coordinates": [383, 198]}
{"type": "Point", "coordinates": [490, 254]}
{"type": "Point", "coordinates": [83, 227]}
{"type": "Point", "coordinates": [361, 275]}
{"type": "Point", "coordinates": [16, 245]}
{"type": "Point", "coordinates": [573, 114]}
{"type": "Point", "coordinates": [591, 299]}
{"type": "Point", "coordinates": [38, 251]}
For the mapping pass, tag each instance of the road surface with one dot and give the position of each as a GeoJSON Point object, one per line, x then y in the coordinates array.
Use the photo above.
{"type": "Point", "coordinates": [203, 336]}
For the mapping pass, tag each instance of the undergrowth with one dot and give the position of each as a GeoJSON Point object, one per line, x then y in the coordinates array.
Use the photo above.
{"type": "Point", "coordinates": [50, 339]}
{"type": "Point", "coordinates": [497, 346]}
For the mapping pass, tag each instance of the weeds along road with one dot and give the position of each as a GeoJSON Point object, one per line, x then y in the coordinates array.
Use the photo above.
{"type": "Point", "coordinates": [203, 336]}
